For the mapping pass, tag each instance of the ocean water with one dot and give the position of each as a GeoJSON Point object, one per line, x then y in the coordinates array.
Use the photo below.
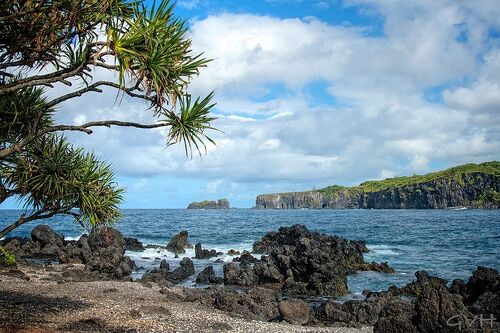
{"type": "Point", "coordinates": [447, 243]}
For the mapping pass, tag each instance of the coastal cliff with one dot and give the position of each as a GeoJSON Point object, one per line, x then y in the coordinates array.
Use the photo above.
{"type": "Point", "coordinates": [469, 185]}
{"type": "Point", "coordinates": [210, 204]}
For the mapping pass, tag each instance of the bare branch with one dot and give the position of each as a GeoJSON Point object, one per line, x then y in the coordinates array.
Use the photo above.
{"type": "Point", "coordinates": [40, 214]}
{"type": "Point", "coordinates": [94, 88]}
{"type": "Point", "coordinates": [46, 79]}
{"type": "Point", "coordinates": [104, 123]}
{"type": "Point", "coordinates": [86, 128]}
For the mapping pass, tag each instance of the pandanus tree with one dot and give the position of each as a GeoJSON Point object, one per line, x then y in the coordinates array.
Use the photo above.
{"type": "Point", "coordinates": [51, 43]}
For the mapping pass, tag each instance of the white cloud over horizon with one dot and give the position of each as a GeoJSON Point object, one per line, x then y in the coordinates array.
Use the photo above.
{"type": "Point", "coordinates": [303, 102]}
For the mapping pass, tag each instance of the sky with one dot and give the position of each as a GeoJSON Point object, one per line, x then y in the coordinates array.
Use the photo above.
{"type": "Point", "coordinates": [312, 93]}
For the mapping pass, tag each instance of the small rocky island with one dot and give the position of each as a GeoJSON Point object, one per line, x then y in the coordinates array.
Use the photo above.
{"type": "Point", "coordinates": [464, 186]}
{"type": "Point", "coordinates": [210, 204]}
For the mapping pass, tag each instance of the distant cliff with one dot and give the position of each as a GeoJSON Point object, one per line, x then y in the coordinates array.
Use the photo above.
{"type": "Point", "coordinates": [469, 185]}
{"type": "Point", "coordinates": [210, 204]}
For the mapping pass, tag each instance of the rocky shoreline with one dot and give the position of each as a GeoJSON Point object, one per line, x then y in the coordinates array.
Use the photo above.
{"type": "Point", "coordinates": [294, 264]}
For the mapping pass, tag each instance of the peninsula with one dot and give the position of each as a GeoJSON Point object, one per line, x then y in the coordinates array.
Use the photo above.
{"type": "Point", "coordinates": [468, 185]}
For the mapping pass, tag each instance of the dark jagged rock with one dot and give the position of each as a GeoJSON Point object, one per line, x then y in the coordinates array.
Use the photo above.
{"type": "Point", "coordinates": [434, 308]}
{"type": "Point", "coordinates": [301, 262]}
{"type": "Point", "coordinates": [107, 255]}
{"type": "Point", "coordinates": [234, 275]}
{"type": "Point", "coordinates": [210, 204]}
{"type": "Point", "coordinates": [254, 304]}
{"type": "Point", "coordinates": [207, 276]}
{"type": "Point", "coordinates": [396, 317]}
{"type": "Point", "coordinates": [246, 258]}
{"type": "Point", "coordinates": [423, 278]}
{"type": "Point", "coordinates": [201, 253]}
{"type": "Point", "coordinates": [103, 238]}
{"type": "Point", "coordinates": [185, 270]}
{"type": "Point", "coordinates": [133, 244]}
{"type": "Point", "coordinates": [179, 243]}
{"type": "Point", "coordinates": [46, 236]}
{"type": "Point", "coordinates": [102, 252]}
{"type": "Point", "coordinates": [353, 312]}
{"type": "Point", "coordinates": [233, 252]}
{"type": "Point", "coordinates": [164, 265]}
{"type": "Point", "coordinates": [164, 277]}
{"type": "Point", "coordinates": [482, 280]}
{"type": "Point", "coordinates": [294, 311]}
{"type": "Point", "coordinates": [462, 307]}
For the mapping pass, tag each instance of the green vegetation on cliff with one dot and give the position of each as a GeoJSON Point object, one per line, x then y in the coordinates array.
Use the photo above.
{"type": "Point", "coordinates": [454, 173]}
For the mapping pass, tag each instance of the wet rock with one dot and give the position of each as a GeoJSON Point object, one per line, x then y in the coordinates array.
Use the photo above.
{"type": "Point", "coordinates": [179, 243]}
{"type": "Point", "coordinates": [233, 252]}
{"type": "Point", "coordinates": [164, 265]}
{"type": "Point", "coordinates": [181, 273]}
{"type": "Point", "coordinates": [201, 253]}
{"type": "Point", "coordinates": [133, 244]}
{"type": "Point", "coordinates": [376, 267]}
{"type": "Point", "coordinates": [166, 278]}
{"type": "Point", "coordinates": [207, 276]}
{"type": "Point", "coordinates": [304, 262]}
{"type": "Point", "coordinates": [423, 278]}
{"type": "Point", "coordinates": [294, 312]}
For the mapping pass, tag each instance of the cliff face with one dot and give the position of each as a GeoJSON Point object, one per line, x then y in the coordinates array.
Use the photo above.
{"type": "Point", "coordinates": [210, 204]}
{"type": "Point", "coordinates": [475, 190]}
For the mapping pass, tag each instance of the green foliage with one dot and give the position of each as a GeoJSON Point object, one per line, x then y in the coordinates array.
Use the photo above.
{"type": "Point", "coordinates": [189, 126]}
{"type": "Point", "coordinates": [21, 112]}
{"type": "Point", "coordinates": [331, 190]}
{"type": "Point", "coordinates": [491, 168]}
{"type": "Point", "coordinates": [155, 49]}
{"type": "Point", "coordinates": [6, 258]}
{"type": "Point", "coordinates": [489, 196]}
{"type": "Point", "coordinates": [48, 42]}
{"type": "Point", "coordinates": [53, 175]}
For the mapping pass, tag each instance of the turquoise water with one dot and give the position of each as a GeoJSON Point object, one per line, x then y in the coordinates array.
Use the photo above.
{"type": "Point", "coordinates": [446, 243]}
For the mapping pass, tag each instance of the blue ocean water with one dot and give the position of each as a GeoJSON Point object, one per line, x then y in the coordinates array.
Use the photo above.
{"type": "Point", "coordinates": [447, 243]}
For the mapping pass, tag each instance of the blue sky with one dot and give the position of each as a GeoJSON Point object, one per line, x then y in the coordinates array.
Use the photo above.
{"type": "Point", "coordinates": [314, 93]}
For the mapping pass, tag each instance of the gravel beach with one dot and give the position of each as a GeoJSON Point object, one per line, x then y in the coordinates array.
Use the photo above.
{"type": "Point", "coordinates": [38, 302]}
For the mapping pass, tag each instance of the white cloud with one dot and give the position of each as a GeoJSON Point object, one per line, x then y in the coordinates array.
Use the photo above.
{"type": "Point", "coordinates": [381, 126]}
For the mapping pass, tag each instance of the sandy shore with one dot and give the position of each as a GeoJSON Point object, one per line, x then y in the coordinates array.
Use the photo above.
{"type": "Point", "coordinates": [43, 305]}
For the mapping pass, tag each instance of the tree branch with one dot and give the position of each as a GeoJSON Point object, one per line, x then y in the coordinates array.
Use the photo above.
{"type": "Point", "coordinates": [43, 79]}
{"type": "Point", "coordinates": [104, 123]}
{"type": "Point", "coordinates": [81, 128]}
{"type": "Point", "coordinates": [40, 214]}
{"type": "Point", "coordinates": [94, 87]}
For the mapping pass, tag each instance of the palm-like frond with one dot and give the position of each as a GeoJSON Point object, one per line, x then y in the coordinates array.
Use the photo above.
{"type": "Point", "coordinates": [54, 176]}
{"type": "Point", "coordinates": [188, 127]}
{"type": "Point", "coordinates": [23, 112]}
{"type": "Point", "coordinates": [155, 51]}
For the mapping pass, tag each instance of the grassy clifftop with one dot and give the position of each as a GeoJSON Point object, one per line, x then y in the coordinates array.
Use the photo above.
{"type": "Point", "coordinates": [490, 168]}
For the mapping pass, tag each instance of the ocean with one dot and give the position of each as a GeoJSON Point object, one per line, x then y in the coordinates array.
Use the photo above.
{"type": "Point", "coordinates": [446, 243]}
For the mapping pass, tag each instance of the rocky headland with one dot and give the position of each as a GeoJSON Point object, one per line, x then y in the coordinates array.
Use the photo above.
{"type": "Point", "coordinates": [210, 204]}
{"type": "Point", "coordinates": [469, 185]}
